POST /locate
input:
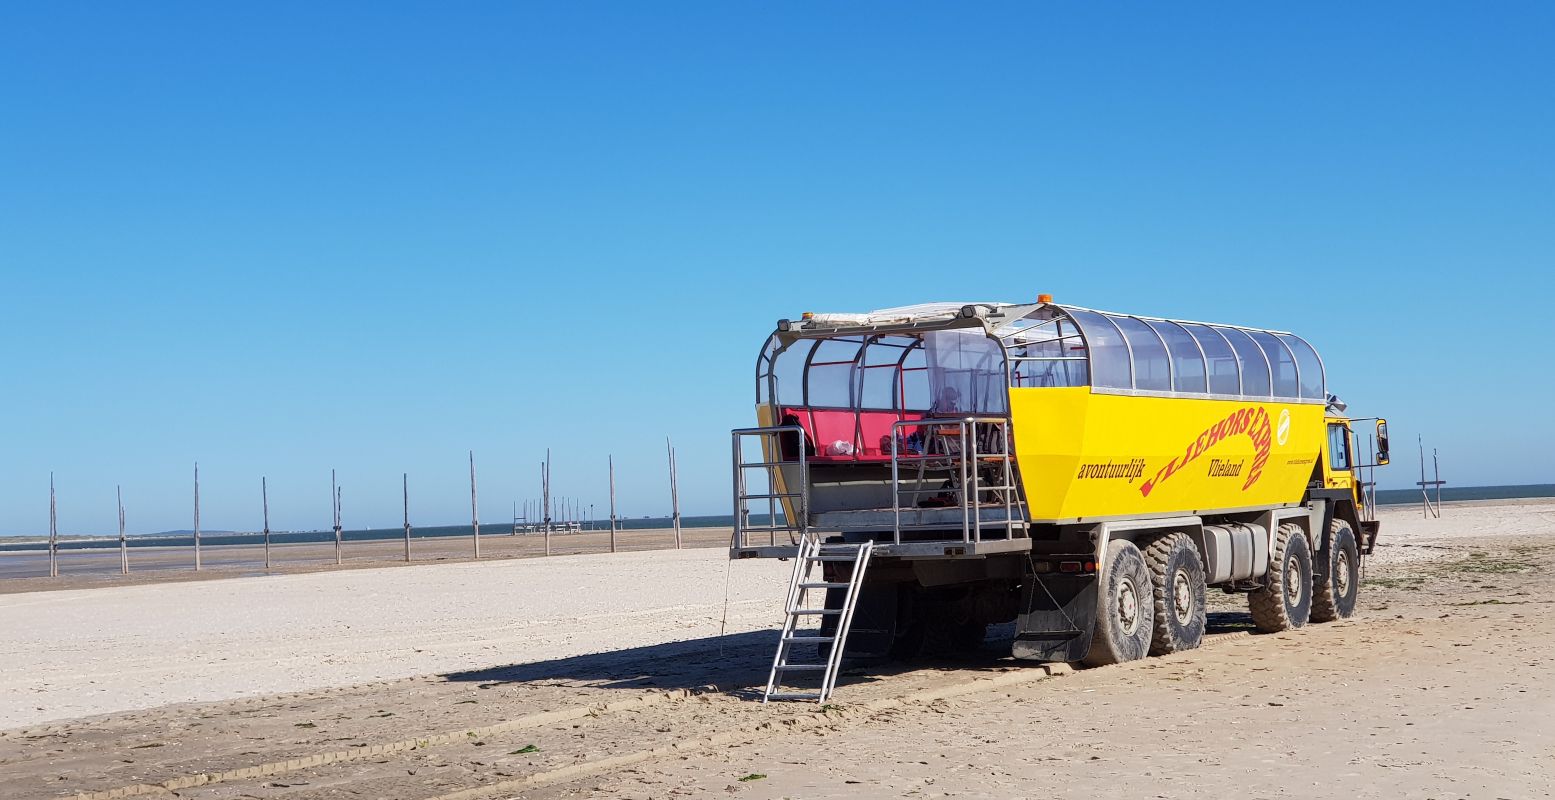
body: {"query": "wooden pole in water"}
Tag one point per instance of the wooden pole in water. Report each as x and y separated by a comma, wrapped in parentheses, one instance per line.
(674, 493)
(405, 494)
(334, 491)
(124, 553)
(264, 494)
(612, 503)
(196, 516)
(1436, 478)
(53, 531)
(475, 520)
(1430, 508)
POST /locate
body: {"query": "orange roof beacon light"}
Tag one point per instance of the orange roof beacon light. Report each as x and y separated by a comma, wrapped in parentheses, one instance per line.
(807, 315)
(1044, 298)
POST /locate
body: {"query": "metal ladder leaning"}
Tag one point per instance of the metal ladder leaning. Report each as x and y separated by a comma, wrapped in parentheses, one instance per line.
(812, 552)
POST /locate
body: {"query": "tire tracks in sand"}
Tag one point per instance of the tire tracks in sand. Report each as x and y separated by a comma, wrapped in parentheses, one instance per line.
(828, 718)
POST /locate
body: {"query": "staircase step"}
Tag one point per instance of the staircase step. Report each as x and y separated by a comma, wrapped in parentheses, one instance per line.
(811, 553)
(794, 696)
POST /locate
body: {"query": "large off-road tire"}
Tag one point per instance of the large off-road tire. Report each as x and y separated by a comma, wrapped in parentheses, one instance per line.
(1285, 601)
(1177, 576)
(1334, 594)
(1123, 607)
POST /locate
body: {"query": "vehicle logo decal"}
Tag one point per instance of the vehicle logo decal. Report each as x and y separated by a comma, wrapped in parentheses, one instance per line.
(1252, 421)
(1282, 430)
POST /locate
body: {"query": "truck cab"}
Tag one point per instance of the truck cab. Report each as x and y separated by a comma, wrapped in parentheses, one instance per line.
(1343, 469)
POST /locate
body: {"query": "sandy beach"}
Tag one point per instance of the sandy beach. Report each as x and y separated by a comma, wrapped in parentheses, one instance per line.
(29, 571)
(606, 676)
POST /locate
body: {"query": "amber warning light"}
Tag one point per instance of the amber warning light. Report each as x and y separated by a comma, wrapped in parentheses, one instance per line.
(1044, 298)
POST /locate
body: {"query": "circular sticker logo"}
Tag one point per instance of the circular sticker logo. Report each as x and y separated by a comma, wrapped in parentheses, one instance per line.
(1282, 432)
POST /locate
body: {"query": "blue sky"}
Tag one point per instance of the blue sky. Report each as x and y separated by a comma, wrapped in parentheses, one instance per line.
(279, 238)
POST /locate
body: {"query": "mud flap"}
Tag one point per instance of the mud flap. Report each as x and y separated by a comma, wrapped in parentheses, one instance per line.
(1057, 619)
(1368, 532)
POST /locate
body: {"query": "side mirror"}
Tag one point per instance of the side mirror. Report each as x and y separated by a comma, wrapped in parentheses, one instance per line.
(1382, 442)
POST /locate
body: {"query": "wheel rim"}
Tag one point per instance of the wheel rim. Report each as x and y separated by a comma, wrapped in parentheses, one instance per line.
(1128, 606)
(1182, 598)
(1342, 574)
(1293, 582)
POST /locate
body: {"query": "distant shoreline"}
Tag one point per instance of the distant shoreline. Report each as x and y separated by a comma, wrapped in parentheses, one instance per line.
(18, 543)
(14, 543)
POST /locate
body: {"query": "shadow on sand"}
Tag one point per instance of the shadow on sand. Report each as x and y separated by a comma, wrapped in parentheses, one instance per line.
(737, 664)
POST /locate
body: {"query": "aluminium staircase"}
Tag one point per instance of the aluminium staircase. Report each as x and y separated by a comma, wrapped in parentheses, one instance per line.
(797, 609)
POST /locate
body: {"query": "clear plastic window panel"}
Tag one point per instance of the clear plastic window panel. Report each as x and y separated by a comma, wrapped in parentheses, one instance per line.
(1250, 357)
(1048, 355)
(914, 388)
(1109, 354)
(966, 373)
(1220, 359)
(880, 390)
(831, 374)
(788, 371)
(1151, 370)
(1311, 367)
(1187, 362)
(1281, 361)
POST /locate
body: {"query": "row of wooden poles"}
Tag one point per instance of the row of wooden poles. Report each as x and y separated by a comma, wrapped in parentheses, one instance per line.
(547, 525)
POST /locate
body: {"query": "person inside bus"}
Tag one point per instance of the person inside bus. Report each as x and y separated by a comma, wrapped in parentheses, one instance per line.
(948, 404)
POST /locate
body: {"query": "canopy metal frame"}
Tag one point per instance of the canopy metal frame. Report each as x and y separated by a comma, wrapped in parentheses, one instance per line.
(1011, 325)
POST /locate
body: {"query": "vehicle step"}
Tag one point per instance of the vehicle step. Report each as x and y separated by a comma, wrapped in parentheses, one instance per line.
(1028, 636)
(811, 552)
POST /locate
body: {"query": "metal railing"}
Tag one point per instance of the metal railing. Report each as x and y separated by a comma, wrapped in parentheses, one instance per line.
(794, 506)
(951, 448)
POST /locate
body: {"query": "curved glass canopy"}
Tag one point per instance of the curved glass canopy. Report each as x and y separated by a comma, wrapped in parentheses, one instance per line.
(1071, 346)
(961, 359)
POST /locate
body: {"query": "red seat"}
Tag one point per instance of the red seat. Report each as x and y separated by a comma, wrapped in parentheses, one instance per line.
(865, 431)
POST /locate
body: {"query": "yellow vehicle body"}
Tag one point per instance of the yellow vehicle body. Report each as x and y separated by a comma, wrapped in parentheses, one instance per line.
(1087, 455)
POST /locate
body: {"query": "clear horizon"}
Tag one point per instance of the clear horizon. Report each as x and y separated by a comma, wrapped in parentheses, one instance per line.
(372, 238)
(497, 527)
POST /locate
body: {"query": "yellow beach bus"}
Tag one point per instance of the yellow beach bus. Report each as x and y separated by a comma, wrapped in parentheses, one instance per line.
(1085, 474)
